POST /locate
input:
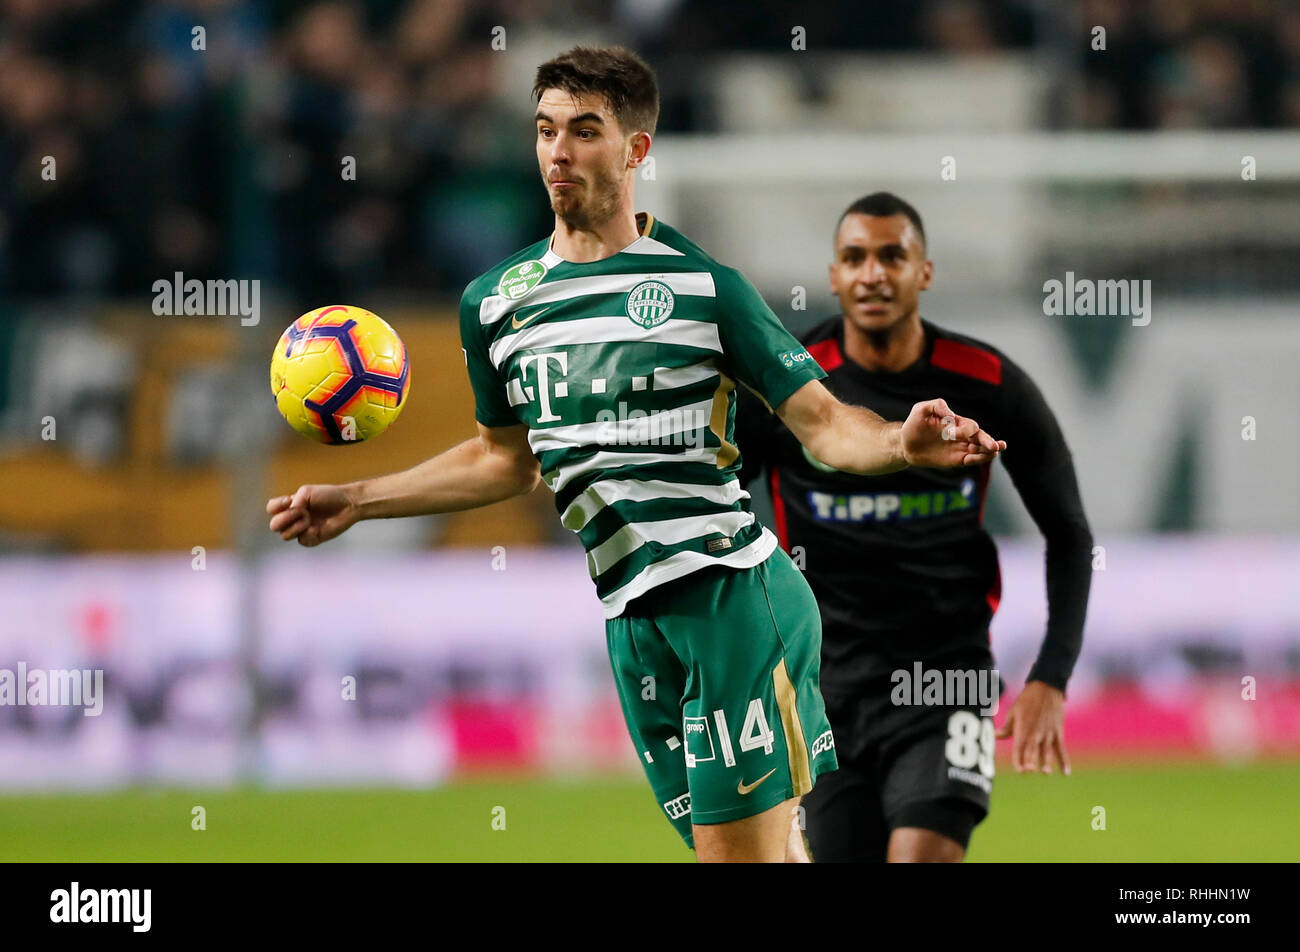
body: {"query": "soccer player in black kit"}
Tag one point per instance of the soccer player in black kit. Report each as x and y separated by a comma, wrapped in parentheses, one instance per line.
(902, 566)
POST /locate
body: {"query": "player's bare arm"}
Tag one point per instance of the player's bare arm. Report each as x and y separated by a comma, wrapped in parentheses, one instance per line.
(1036, 724)
(859, 441)
(494, 465)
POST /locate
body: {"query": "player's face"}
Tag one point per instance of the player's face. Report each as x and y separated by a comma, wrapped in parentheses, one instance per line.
(583, 156)
(879, 270)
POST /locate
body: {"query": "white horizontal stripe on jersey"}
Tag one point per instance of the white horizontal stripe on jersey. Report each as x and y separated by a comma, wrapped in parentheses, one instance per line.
(633, 535)
(690, 283)
(605, 492)
(684, 563)
(656, 426)
(604, 330)
(670, 378)
(561, 476)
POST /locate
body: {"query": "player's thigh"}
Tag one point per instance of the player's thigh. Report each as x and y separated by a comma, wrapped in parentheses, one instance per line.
(938, 776)
(754, 723)
(651, 681)
(761, 838)
(844, 817)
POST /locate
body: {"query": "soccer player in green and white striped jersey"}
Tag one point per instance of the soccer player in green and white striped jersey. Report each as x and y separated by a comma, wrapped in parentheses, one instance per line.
(604, 361)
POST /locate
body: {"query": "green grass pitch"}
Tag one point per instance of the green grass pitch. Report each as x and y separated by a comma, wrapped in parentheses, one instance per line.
(1167, 812)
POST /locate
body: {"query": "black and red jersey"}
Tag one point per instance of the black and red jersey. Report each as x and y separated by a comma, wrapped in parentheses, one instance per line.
(901, 564)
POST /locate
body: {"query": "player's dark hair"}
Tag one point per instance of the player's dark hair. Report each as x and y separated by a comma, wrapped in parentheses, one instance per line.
(882, 205)
(623, 78)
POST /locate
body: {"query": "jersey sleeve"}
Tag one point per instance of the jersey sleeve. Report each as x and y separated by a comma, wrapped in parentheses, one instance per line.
(757, 348)
(1042, 469)
(491, 408)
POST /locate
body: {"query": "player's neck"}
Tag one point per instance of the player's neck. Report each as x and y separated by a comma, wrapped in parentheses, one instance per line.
(581, 245)
(887, 351)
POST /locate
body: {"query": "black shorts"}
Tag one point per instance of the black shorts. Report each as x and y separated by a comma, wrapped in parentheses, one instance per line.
(927, 766)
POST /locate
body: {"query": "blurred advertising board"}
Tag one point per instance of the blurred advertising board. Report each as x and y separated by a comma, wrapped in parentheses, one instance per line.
(404, 669)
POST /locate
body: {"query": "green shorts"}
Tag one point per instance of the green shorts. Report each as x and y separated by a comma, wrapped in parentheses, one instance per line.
(718, 675)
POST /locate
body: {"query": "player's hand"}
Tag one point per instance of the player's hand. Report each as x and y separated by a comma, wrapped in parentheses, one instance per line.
(1036, 724)
(935, 436)
(313, 514)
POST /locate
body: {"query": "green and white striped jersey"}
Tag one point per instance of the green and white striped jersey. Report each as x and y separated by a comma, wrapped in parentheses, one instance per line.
(624, 371)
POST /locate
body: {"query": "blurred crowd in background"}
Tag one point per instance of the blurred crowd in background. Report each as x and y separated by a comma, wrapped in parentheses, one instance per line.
(378, 152)
(227, 160)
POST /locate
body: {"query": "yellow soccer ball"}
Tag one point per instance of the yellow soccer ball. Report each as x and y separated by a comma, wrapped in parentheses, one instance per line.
(340, 374)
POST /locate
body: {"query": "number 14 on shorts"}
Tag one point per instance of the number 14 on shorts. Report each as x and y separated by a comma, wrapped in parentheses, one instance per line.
(754, 734)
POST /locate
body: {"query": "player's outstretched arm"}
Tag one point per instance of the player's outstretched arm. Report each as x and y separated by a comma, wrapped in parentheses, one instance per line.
(856, 440)
(490, 467)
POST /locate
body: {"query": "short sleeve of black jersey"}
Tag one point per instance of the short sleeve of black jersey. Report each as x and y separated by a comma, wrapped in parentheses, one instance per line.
(1042, 469)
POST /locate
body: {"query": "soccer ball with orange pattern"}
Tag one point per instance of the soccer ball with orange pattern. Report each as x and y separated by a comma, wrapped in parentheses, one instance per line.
(340, 374)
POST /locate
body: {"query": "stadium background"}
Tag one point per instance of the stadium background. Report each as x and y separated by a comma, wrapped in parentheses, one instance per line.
(132, 534)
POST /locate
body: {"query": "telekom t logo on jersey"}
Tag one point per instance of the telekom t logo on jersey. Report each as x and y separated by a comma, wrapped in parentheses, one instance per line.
(543, 375)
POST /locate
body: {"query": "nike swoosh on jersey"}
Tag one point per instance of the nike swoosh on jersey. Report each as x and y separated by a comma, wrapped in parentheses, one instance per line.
(743, 788)
(516, 323)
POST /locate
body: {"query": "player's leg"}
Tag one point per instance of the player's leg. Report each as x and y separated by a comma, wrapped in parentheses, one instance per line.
(915, 844)
(846, 822)
(844, 813)
(651, 681)
(763, 838)
(796, 848)
(937, 781)
(753, 719)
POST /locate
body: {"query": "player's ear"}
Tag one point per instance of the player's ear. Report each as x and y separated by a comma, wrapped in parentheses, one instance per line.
(927, 274)
(835, 284)
(638, 149)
